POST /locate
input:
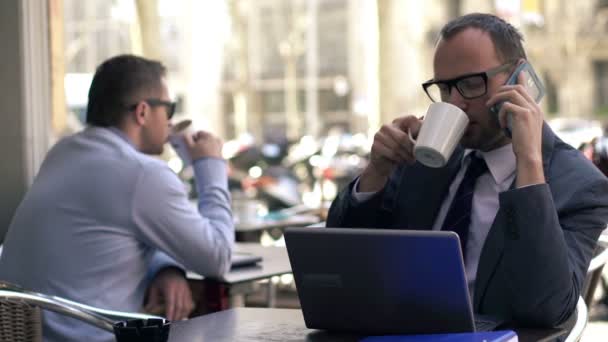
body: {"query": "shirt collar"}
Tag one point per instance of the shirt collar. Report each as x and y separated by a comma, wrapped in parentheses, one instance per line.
(121, 135)
(501, 162)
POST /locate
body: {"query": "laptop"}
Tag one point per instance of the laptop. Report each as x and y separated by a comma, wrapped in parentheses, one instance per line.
(377, 281)
(242, 259)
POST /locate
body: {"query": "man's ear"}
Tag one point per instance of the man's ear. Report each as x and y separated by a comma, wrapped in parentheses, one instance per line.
(141, 112)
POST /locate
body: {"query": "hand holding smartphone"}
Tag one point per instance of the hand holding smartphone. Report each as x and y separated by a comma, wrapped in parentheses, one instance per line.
(533, 85)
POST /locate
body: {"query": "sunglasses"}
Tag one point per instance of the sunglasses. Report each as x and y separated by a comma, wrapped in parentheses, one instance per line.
(158, 102)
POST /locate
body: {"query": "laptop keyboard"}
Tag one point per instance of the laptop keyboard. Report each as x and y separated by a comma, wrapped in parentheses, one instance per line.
(486, 323)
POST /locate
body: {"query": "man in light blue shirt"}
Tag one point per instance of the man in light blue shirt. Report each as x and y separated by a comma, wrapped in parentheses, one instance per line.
(103, 217)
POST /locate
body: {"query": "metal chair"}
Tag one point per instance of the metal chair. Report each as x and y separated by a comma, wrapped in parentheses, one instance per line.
(20, 313)
(594, 272)
(582, 316)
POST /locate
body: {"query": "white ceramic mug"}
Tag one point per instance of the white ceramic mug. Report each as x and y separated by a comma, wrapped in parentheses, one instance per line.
(442, 128)
(178, 142)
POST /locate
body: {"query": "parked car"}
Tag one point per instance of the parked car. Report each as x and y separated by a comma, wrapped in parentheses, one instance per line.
(576, 131)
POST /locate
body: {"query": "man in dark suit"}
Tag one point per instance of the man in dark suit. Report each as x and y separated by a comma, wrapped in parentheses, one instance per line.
(537, 206)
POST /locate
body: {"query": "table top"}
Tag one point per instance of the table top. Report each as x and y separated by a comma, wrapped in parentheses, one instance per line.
(274, 262)
(297, 220)
(257, 324)
(251, 325)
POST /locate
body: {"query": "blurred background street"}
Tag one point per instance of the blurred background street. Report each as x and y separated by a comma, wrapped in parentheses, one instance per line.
(297, 89)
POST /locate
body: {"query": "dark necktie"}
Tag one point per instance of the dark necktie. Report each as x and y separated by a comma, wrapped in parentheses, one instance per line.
(458, 218)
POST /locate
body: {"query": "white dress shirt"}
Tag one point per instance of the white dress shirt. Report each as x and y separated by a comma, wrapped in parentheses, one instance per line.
(501, 164)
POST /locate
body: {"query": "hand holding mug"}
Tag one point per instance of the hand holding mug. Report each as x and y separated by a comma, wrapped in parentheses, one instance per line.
(190, 145)
(391, 147)
(203, 144)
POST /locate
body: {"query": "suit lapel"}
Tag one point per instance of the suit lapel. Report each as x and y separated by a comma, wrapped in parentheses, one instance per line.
(494, 245)
(489, 258)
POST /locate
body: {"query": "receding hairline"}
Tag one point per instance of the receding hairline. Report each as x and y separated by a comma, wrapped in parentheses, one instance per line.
(506, 39)
(454, 35)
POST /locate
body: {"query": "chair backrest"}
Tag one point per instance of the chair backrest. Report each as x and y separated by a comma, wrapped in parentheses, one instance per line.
(14, 297)
(53, 304)
(19, 321)
(594, 272)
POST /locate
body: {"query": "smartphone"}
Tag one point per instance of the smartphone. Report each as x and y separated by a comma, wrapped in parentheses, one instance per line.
(533, 84)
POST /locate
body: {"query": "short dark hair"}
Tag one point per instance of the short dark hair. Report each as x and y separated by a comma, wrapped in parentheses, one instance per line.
(117, 82)
(506, 38)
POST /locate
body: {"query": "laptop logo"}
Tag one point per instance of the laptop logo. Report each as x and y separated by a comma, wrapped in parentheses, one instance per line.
(320, 280)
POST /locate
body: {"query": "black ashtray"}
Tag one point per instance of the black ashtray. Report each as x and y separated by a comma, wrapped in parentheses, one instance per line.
(140, 330)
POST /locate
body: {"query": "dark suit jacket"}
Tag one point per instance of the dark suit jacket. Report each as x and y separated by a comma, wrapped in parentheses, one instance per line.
(534, 260)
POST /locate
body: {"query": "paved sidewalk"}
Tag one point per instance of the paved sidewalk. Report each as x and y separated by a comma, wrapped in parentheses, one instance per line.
(597, 329)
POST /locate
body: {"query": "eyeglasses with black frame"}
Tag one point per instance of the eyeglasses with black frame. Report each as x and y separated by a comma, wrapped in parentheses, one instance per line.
(470, 86)
(158, 102)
